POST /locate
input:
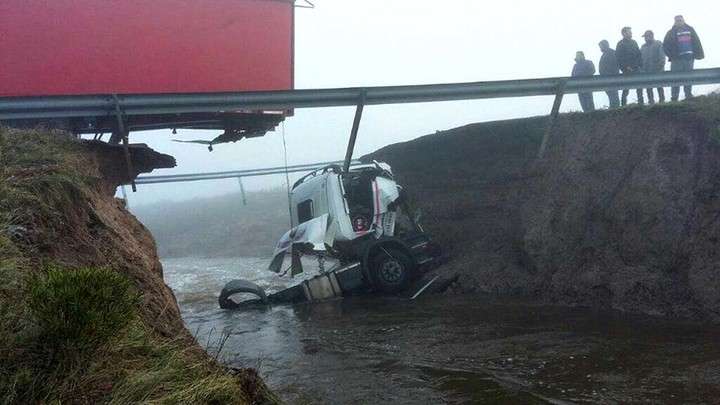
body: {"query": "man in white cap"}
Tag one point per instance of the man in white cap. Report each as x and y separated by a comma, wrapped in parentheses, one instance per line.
(653, 60)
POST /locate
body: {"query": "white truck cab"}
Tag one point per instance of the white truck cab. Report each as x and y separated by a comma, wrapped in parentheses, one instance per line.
(359, 217)
(356, 203)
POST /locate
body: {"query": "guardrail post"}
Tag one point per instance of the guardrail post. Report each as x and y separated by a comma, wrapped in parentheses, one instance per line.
(242, 190)
(124, 132)
(553, 116)
(354, 132)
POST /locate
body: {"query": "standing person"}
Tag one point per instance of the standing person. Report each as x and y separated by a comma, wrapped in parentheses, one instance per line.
(584, 68)
(609, 67)
(653, 61)
(683, 47)
(629, 60)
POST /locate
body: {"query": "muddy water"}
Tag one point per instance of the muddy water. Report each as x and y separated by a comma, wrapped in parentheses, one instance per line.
(442, 349)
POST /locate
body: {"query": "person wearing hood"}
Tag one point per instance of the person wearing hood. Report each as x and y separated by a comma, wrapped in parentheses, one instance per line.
(609, 67)
(629, 60)
(682, 45)
(653, 59)
(584, 68)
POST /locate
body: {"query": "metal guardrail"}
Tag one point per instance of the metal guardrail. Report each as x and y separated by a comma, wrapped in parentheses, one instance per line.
(148, 104)
(179, 178)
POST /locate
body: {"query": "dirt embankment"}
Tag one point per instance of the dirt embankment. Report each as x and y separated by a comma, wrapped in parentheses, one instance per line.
(623, 211)
(58, 209)
(92, 228)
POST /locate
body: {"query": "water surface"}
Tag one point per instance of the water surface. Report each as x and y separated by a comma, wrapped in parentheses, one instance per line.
(446, 349)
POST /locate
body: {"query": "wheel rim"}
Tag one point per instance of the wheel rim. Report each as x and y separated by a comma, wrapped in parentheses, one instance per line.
(391, 271)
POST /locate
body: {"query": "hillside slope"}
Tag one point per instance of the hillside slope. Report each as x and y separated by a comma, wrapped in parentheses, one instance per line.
(623, 211)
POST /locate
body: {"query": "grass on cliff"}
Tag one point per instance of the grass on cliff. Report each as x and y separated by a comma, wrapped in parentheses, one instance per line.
(74, 335)
(82, 342)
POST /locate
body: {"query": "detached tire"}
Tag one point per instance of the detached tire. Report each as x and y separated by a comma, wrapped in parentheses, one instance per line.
(392, 270)
(236, 287)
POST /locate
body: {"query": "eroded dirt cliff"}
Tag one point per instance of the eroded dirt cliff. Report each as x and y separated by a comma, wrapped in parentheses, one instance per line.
(80, 222)
(622, 212)
(58, 210)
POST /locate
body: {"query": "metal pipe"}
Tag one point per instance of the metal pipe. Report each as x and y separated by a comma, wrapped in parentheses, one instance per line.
(179, 178)
(189, 178)
(251, 172)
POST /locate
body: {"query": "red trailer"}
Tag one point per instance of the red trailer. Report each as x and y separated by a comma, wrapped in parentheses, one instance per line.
(164, 47)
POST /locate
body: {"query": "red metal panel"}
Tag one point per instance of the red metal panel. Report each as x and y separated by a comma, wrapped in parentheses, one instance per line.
(73, 47)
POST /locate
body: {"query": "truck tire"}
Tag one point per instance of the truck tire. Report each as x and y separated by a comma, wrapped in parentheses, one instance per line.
(392, 270)
(240, 286)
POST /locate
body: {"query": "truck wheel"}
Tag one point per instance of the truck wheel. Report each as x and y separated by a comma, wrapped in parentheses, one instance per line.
(392, 270)
(236, 287)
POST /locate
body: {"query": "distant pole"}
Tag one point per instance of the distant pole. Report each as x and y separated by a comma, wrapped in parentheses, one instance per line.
(242, 190)
(125, 197)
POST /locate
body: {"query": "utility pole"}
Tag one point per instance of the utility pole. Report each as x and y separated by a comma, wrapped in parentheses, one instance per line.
(242, 190)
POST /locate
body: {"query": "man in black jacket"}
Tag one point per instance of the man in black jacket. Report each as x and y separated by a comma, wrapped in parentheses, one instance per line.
(682, 45)
(609, 67)
(629, 60)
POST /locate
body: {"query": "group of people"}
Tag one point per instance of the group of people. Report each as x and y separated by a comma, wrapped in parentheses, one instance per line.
(681, 46)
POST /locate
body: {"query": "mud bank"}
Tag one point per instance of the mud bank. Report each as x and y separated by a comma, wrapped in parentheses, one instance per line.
(59, 212)
(623, 212)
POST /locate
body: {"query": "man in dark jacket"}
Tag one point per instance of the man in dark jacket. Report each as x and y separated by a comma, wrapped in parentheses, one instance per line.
(609, 67)
(653, 57)
(629, 60)
(584, 68)
(682, 45)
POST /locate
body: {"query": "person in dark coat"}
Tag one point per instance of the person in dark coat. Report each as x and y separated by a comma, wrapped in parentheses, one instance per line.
(584, 68)
(653, 57)
(682, 46)
(609, 67)
(629, 60)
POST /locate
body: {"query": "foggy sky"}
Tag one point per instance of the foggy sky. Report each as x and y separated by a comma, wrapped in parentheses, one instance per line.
(344, 43)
